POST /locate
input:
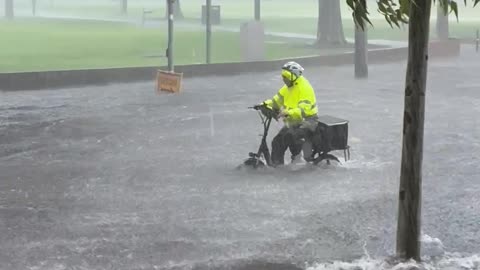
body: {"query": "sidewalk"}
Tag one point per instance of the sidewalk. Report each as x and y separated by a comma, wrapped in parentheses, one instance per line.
(307, 37)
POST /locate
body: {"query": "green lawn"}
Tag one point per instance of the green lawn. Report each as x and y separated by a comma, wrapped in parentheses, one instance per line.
(279, 15)
(43, 44)
(61, 44)
(191, 8)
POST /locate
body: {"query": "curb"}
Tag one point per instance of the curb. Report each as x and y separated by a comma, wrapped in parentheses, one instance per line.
(78, 78)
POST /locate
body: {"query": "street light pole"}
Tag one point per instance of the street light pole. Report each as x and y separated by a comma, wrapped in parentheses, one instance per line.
(209, 30)
(170, 35)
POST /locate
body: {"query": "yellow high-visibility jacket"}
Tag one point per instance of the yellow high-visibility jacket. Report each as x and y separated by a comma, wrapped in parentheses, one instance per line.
(299, 101)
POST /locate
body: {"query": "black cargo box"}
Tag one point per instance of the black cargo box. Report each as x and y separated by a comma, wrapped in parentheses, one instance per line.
(334, 133)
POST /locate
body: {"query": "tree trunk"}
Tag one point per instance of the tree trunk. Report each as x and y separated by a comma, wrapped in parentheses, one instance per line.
(442, 23)
(124, 7)
(177, 10)
(9, 14)
(257, 10)
(361, 41)
(330, 26)
(322, 24)
(34, 7)
(410, 193)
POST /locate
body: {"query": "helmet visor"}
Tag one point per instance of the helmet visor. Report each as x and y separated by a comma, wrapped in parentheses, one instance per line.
(288, 77)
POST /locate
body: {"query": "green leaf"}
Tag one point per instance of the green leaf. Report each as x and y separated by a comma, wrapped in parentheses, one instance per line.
(399, 15)
(396, 11)
(454, 7)
(382, 8)
(350, 4)
(405, 6)
(388, 21)
(394, 20)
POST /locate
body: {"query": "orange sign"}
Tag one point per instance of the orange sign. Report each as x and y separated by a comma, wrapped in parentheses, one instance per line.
(169, 81)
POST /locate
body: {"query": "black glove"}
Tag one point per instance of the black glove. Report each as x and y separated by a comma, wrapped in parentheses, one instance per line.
(258, 106)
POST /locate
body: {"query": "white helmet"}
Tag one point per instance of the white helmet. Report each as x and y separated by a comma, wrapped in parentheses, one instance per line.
(294, 67)
(291, 71)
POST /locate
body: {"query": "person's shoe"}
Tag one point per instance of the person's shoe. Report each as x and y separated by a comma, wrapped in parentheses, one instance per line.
(298, 160)
(277, 164)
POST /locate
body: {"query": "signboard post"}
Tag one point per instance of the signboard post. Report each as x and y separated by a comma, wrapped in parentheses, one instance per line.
(209, 31)
(169, 80)
(170, 35)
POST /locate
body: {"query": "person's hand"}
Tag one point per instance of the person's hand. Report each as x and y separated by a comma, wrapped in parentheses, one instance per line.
(258, 106)
(283, 114)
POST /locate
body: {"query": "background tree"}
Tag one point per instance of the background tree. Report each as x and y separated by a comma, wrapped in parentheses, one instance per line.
(124, 7)
(257, 10)
(177, 10)
(34, 7)
(9, 14)
(409, 206)
(442, 23)
(330, 26)
(361, 43)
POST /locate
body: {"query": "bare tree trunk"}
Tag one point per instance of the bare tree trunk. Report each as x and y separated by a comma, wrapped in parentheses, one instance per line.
(442, 23)
(337, 35)
(257, 10)
(9, 13)
(124, 7)
(361, 41)
(330, 26)
(177, 10)
(410, 193)
(322, 24)
(34, 7)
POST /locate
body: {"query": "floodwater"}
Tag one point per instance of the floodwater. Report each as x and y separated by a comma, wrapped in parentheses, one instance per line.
(118, 177)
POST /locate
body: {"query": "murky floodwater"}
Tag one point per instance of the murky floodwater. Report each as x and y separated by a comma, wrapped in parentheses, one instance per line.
(118, 177)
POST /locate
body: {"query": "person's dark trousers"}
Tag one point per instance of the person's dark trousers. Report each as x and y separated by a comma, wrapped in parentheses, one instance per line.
(293, 138)
(287, 138)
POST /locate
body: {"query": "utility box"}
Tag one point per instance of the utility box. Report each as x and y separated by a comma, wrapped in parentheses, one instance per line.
(252, 41)
(214, 14)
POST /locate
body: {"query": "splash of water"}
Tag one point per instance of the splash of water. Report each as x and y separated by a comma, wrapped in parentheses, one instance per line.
(434, 257)
(449, 261)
